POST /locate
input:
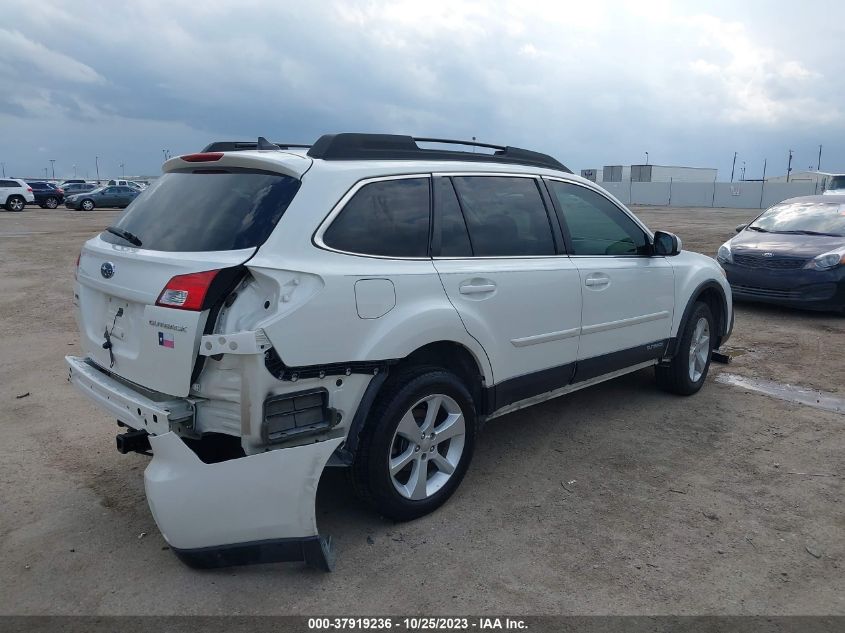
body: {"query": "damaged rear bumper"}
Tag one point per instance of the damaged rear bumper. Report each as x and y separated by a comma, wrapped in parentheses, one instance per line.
(255, 509)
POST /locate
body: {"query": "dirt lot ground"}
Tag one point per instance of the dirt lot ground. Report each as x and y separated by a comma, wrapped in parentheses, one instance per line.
(617, 499)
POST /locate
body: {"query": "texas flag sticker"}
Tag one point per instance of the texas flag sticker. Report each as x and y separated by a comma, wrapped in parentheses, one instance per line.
(166, 340)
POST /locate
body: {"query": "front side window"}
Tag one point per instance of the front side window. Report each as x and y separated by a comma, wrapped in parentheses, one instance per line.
(505, 216)
(389, 218)
(596, 225)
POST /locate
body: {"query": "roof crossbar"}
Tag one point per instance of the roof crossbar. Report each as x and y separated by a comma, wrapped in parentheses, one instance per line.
(350, 146)
(399, 147)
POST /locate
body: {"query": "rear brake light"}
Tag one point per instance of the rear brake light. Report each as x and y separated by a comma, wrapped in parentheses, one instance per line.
(29, 189)
(203, 157)
(187, 292)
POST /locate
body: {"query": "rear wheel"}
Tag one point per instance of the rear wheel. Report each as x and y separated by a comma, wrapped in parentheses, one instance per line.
(87, 204)
(15, 203)
(417, 444)
(51, 202)
(687, 371)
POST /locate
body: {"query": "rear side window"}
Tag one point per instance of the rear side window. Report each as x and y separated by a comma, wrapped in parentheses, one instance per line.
(388, 218)
(190, 212)
(8, 183)
(505, 216)
(596, 225)
(450, 237)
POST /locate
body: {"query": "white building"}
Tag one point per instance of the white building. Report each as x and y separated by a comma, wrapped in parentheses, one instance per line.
(804, 176)
(650, 173)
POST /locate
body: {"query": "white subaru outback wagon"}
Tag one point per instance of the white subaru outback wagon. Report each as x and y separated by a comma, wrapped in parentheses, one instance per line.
(262, 311)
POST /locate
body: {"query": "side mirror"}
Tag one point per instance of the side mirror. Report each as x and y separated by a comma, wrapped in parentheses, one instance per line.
(740, 227)
(666, 244)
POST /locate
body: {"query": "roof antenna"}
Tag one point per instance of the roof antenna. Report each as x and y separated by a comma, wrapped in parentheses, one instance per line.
(263, 143)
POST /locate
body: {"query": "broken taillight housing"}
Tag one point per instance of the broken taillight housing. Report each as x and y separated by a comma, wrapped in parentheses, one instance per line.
(187, 292)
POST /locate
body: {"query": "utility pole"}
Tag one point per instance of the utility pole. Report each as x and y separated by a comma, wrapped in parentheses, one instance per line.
(74, 171)
(763, 184)
(646, 158)
(733, 167)
(789, 166)
(819, 167)
(45, 173)
(742, 171)
(53, 167)
(97, 166)
(123, 169)
(4, 169)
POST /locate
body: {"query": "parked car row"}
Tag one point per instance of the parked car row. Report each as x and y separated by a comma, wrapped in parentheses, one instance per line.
(15, 194)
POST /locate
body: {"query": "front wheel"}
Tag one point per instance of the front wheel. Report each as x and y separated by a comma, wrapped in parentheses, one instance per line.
(87, 205)
(15, 203)
(686, 372)
(417, 444)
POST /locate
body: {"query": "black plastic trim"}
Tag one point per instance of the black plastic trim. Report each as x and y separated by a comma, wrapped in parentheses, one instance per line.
(347, 451)
(608, 363)
(726, 327)
(276, 366)
(352, 146)
(526, 386)
(315, 551)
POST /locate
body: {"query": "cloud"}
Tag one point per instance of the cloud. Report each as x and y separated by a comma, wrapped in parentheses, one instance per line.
(594, 83)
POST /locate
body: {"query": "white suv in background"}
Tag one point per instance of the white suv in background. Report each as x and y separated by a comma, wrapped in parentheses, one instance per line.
(15, 194)
(263, 311)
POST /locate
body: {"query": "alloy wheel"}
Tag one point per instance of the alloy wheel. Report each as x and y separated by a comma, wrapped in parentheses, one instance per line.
(699, 350)
(426, 447)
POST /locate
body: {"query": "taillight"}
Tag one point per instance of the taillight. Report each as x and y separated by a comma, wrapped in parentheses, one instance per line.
(203, 157)
(60, 190)
(29, 189)
(187, 292)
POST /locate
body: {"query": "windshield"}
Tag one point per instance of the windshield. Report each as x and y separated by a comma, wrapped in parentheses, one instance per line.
(836, 182)
(206, 211)
(826, 218)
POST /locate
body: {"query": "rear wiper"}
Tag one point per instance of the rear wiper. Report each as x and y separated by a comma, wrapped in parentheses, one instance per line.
(129, 237)
(802, 232)
(757, 228)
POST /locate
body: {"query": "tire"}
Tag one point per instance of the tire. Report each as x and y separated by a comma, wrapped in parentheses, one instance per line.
(401, 411)
(87, 205)
(51, 202)
(687, 371)
(15, 203)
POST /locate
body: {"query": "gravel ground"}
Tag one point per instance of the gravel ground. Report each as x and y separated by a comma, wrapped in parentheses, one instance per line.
(618, 499)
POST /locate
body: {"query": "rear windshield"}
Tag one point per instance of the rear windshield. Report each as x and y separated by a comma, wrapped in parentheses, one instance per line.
(825, 218)
(189, 212)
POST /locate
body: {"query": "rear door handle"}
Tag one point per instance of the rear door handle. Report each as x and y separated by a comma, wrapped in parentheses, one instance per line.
(597, 280)
(475, 289)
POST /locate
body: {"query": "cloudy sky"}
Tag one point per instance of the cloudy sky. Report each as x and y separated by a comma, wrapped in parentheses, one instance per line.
(592, 83)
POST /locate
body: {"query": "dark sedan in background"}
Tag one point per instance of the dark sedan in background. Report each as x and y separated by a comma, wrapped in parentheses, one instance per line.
(47, 195)
(791, 254)
(102, 197)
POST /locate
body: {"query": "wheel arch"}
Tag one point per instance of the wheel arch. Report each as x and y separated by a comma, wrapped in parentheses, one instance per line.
(450, 355)
(711, 293)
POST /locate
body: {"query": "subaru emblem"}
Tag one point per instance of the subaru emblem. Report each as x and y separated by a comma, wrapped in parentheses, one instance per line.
(107, 270)
(768, 254)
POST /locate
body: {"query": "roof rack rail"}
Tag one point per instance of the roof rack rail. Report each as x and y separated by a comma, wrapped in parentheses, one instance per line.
(349, 146)
(237, 146)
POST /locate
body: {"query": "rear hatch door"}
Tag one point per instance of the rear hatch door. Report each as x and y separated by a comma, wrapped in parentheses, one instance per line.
(192, 221)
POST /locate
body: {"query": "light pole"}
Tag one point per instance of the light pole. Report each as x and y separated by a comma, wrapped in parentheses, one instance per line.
(45, 173)
(733, 167)
(4, 169)
(123, 170)
(74, 171)
(646, 158)
(97, 167)
(819, 168)
(53, 167)
(742, 171)
(789, 166)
